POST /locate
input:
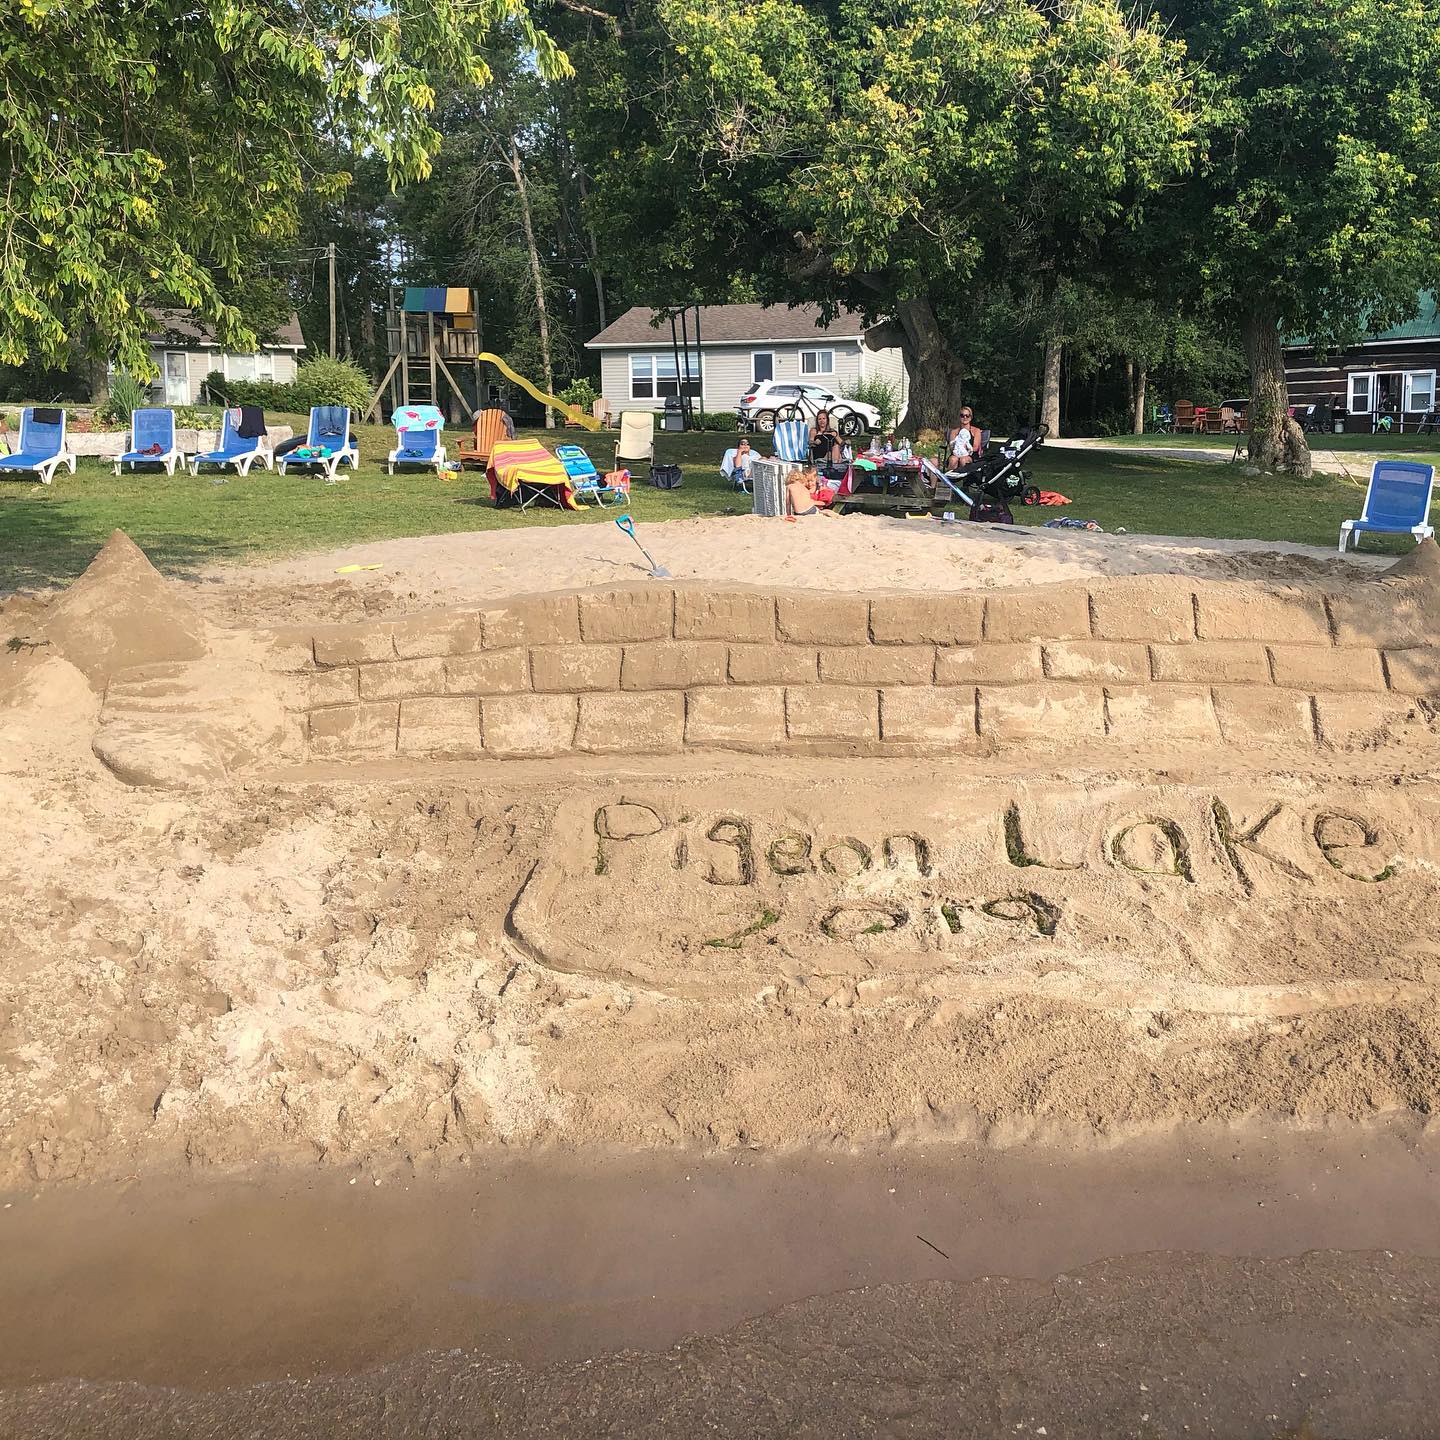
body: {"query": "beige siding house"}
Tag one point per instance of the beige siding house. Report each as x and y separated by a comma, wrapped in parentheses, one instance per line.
(184, 352)
(740, 345)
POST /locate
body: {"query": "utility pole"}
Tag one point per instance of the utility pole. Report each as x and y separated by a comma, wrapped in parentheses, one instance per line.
(330, 251)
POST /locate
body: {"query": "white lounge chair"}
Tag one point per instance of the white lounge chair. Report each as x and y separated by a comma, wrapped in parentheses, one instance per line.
(1397, 502)
(329, 433)
(42, 446)
(418, 429)
(235, 449)
(152, 441)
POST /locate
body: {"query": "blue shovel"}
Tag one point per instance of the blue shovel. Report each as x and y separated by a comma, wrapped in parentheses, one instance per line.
(657, 572)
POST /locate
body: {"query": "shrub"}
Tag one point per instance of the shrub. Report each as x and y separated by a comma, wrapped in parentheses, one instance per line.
(264, 393)
(580, 392)
(126, 394)
(323, 381)
(883, 395)
(721, 420)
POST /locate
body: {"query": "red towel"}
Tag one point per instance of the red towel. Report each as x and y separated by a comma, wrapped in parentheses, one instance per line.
(1052, 497)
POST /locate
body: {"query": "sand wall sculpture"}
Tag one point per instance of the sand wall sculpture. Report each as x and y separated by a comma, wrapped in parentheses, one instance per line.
(661, 669)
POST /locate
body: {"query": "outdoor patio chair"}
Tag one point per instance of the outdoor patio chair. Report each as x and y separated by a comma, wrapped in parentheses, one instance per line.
(1397, 502)
(585, 481)
(636, 444)
(152, 441)
(792, 441)
(327, 440)
(42, 446)
(418, 429)
(488, 430)
(733, 474)
(241, 451)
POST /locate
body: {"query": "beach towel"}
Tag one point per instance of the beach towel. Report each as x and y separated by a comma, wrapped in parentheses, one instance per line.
(517, 463)
(1052, 497)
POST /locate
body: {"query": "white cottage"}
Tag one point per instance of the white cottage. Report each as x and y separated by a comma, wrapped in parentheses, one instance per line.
(184, 352)
(740, 346)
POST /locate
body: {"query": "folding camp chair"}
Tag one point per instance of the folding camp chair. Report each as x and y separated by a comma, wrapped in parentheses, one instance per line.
(328, 440)
(636, 444)
(585, 481)
(489, 429)
(792, 441)
(152, 441)
(1397, 502)
(734, 473)
(418, 429)
(241, 451)
(42, 446)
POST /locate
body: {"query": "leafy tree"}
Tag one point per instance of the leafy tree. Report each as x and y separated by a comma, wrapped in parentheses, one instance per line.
(1317, 209)
(150, 148)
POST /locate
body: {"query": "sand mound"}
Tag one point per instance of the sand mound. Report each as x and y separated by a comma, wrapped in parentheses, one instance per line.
(122, 612)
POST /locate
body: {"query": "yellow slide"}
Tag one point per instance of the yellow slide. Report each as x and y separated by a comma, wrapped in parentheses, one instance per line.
(570, 412)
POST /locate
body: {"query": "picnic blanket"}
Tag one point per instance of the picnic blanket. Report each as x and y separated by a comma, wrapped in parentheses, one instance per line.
(514, 463)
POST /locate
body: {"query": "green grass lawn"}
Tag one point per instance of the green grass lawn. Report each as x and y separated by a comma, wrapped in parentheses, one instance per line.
(50, 533)
(1401, 447)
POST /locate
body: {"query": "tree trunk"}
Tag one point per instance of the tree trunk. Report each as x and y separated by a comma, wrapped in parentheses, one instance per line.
(1050, 387)
(1138, 413)
(1130, 385)
(537, 277)
(936, 372)
(1276, 440)
(592, 248)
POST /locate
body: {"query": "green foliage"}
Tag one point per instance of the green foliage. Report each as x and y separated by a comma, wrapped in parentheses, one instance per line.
(323, 381)
(717, 420)
(883, 394)
(149, 149)
(264, 393)
(126, 394)
(581, 392)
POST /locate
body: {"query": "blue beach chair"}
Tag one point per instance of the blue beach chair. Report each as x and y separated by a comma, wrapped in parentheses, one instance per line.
(42, 446)
(418, 429)
(792, 441)
(328, 440)
(585, 481)
(234, 449)
(152, 441)
(1397, 502)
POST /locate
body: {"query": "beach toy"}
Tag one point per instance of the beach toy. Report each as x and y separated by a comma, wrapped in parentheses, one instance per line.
(657, 572)
(351, 569)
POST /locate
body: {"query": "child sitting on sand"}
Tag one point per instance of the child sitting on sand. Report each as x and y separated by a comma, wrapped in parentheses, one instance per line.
(806, 494)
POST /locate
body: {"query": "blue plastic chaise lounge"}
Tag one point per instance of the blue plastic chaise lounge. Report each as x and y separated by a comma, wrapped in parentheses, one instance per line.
(235, 449)
(326, 444)
(418, 429)
(42, 446)
(585, 481)
(152, 441)
(1397, 502)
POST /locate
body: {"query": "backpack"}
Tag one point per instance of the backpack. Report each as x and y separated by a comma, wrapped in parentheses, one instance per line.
(665, 477)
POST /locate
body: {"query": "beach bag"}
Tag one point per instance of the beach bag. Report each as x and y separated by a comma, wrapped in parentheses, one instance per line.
(665, 477)
(991, 512)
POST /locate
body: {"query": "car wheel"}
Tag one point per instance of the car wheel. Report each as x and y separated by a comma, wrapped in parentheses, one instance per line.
(763, 421)
(847, 422)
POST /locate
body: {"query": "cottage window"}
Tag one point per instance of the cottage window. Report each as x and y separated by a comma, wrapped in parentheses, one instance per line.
(1362, 394)
(250, 367)
(762, 366)
(655, 376)
(1420, 390)
(817, 362)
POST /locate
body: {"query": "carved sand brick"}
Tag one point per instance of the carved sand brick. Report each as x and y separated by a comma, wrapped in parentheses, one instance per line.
(1314, 667)
(354, 730)
(572, 668)
(332, 687)
(1361, 720)
(989, 665)
(287, 650)
(631, 724)
(528, 724)
(824, 619)
(1050, 714)
(1414, 672)
(832, 712)
(448, 726)
(538, 620)
(397, 679)
(419, 637)
(353, 644)
(1048, 612)
(877, 665)
(1143, 607)
(1148, 713)
(724, 615)
(1386, 617)
(1287, 617)
(773, 664)
(736, 719)
(1102, 660)
(1260, 715)
(619, 615)
(935, 715)
(912, 619)
(673, 665)
(496, 672)
(1213, 662)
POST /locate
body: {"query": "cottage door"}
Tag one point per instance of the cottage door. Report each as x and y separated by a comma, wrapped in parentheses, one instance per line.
(177, 379)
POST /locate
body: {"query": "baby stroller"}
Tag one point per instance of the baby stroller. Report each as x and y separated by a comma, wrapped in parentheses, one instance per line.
(991, 484)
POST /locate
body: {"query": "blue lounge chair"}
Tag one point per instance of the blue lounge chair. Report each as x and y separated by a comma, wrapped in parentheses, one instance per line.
(418, 429)
(152, 441)
(1397, 502)
(327, 440)
(234, 449)
(585, 481)
(792, 441)
(42, 447)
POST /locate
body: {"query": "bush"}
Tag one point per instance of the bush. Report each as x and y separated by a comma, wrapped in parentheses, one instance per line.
(883, 395)
(264, 393)
(580, 392)
(126, 394)
(721, 420)
(323, 381)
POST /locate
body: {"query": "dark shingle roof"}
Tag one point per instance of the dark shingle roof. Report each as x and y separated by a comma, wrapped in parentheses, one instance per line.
(740, 324)
(182, 326)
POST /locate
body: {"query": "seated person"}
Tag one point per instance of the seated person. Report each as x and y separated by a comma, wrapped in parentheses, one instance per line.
(964, 442)
(735, 466)
(804, 493)
(824, 441)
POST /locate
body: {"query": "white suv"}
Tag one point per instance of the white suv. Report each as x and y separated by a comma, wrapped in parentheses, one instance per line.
(771, 400)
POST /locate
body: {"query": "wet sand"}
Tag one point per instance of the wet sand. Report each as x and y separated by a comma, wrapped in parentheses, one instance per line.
(539, 1269)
